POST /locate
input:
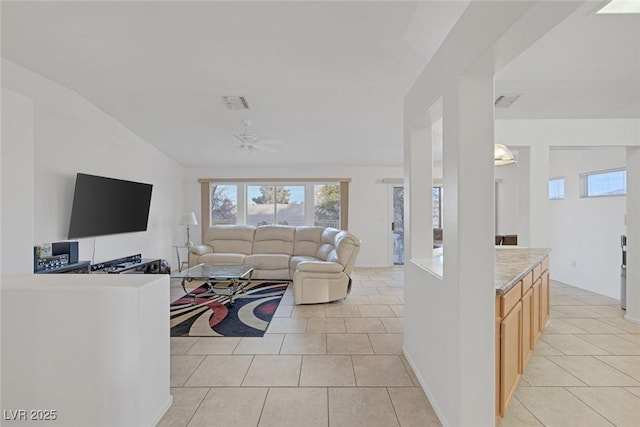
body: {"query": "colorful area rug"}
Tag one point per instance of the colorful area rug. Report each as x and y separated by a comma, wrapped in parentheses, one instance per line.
(209, 317)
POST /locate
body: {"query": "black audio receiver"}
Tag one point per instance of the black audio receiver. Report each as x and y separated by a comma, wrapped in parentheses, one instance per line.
(54, 261)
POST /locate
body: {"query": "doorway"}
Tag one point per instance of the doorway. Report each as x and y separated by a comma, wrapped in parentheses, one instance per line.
(397, 224)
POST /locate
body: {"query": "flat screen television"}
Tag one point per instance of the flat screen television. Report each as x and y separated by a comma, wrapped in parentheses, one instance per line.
(104, 206)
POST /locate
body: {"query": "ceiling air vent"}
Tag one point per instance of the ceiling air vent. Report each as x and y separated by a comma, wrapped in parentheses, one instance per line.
(505, 101)
(236, 102)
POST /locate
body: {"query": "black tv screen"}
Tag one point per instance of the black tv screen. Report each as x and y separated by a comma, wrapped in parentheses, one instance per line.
(108, 206)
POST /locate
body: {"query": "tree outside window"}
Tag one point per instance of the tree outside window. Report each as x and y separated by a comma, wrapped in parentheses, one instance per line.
(327, 205)
(224, 204)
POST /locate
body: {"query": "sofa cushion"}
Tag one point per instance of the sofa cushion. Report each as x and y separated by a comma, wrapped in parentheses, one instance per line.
(231, 238)
(320, 267)
(307, 240)
(347, 248)
(274, 239)
(268, 261)
(216, 258)
(297, 259)
(326, 243)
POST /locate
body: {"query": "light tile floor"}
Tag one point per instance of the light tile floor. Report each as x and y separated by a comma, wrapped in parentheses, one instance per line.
(585, 370)
(341, 364)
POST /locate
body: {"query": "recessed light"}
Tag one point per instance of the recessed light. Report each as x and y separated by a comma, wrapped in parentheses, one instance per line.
(621, 6)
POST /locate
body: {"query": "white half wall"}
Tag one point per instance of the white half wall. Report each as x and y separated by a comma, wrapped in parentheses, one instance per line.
(71, 135)
(369, 211)
(585, 232)
(92, 347)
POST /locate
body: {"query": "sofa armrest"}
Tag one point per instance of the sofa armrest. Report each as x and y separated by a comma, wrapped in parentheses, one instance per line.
(320, 267)
(200, 249)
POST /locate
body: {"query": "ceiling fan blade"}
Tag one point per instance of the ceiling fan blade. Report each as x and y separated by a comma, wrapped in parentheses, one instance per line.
(266, 148)
(270, 141)
(238, 138)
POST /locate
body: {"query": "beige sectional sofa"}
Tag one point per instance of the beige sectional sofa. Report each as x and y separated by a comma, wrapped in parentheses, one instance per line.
(318, 260)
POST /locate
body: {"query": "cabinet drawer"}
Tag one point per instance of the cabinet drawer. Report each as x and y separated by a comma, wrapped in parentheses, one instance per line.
(545, 264)
(510, 299)
(537, 272)
(527, 281)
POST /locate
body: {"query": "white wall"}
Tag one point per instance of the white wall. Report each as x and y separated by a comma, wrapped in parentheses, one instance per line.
(17, 194)
(369, 211)
(597, 261)
(506, 199)
(586, 231)
(71, 135)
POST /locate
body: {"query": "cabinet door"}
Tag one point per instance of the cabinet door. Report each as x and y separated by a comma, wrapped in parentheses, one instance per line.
(544, 300)
(535, 318)
(510, 349)
(527, 327)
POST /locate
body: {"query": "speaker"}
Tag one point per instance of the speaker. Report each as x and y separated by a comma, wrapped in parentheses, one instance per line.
(69, 248)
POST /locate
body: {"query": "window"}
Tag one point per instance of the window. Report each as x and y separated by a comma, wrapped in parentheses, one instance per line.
(556, 188)
(275, 204)
(224, 204)
(326, 205)
(436, 207)
(289, 202)
(606, 183)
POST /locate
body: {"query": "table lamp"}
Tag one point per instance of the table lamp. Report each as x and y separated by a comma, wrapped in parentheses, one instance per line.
(189, 218)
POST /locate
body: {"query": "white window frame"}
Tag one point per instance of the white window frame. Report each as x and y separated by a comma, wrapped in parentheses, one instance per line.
(584, 178)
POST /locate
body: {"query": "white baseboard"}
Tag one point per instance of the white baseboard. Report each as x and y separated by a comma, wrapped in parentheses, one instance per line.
(427, 392)
(631, 319)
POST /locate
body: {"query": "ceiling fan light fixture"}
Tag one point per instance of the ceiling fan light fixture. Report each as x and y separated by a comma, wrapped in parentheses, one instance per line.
(248, 141)
(502, 155)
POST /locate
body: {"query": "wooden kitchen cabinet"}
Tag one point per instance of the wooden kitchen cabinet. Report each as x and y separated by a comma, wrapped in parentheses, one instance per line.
(535, 313)
(521, 315)
(527, 341)
(544, 300)
(510, 355)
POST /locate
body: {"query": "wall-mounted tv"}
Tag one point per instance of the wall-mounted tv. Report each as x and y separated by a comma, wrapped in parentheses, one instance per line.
(108, 206)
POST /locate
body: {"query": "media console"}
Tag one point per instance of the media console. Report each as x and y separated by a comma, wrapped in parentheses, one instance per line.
(80, 267)
(128, 265)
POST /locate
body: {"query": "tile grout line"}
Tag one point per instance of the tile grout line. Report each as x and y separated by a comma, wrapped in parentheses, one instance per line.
(395, 412)
(590, 407)
(614, 367)
(574, 376)
(244, 377)
(204, 357)
(328, 408)
(264, 403)
(528, 410)
(353, 370)
(198, 407)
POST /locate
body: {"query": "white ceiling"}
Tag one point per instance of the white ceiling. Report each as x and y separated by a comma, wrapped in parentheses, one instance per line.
(327, 78)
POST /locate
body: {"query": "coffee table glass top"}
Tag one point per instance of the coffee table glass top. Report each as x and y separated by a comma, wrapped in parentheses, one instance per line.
(215, 271)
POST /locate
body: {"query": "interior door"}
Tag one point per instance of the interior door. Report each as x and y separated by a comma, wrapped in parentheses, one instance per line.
(397, 226)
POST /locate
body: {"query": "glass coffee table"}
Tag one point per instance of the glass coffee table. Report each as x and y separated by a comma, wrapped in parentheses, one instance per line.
(222, 279)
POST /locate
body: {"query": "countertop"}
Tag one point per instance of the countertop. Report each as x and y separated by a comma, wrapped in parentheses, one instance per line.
(513, 263)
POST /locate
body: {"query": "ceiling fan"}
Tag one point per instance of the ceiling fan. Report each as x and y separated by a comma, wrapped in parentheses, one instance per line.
(248, 141)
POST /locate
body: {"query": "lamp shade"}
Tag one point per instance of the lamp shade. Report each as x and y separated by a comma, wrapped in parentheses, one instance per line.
(189, 218)
(502, 155)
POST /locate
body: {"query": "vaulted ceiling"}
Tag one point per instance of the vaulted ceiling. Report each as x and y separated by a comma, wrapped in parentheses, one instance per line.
(326, 78)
